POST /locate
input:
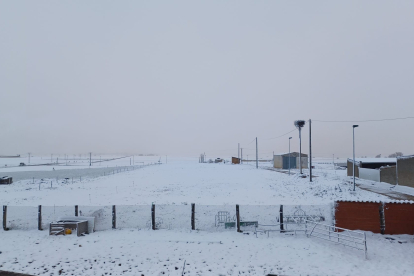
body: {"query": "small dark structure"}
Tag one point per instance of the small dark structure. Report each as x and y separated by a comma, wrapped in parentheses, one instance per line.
(6, 180)
(235, 160)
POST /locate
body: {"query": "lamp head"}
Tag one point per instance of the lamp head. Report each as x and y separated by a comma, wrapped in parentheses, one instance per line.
(290, 138)
(354, 126)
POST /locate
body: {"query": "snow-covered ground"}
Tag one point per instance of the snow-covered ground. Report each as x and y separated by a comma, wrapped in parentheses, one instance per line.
(163, 252)
(186, 180)
(134, 250)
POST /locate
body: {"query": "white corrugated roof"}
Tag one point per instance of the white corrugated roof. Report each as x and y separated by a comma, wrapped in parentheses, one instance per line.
(375, 160)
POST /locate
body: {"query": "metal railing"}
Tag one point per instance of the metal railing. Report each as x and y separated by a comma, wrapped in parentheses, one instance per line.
(351, 238)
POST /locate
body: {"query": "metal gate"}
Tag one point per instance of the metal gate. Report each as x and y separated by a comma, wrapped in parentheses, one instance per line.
(286, 162)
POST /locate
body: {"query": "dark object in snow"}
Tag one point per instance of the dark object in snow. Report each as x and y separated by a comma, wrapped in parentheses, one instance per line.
(6, 180)
(8, 273)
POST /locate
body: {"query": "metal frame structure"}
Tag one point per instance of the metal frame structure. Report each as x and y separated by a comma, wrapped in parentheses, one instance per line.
(351, 238)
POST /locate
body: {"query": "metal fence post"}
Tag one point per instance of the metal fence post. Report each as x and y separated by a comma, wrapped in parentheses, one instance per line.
(238, 218)
(76, 210)
(382, 218)
(39, 218)
(282, 228)
(5, 218)
(113, 217)
(153, 216)
(192, 216)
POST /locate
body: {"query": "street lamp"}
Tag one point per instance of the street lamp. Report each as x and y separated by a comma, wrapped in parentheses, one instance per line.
(299, 124)
(353, 140)
(289, 154)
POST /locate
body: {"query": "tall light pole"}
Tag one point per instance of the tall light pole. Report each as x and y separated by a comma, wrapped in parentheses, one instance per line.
(299, 124)
(289, 154)
(29, 158)
(353, 141)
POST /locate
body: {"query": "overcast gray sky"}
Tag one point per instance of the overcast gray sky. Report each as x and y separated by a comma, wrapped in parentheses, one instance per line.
(185, 77)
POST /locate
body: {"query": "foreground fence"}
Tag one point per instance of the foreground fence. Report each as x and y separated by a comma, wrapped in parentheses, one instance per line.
(195, 217)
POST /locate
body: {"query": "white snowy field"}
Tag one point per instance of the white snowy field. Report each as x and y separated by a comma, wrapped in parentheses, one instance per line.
(65, 162)
(184, 180)
(163, 252)
(134, 250)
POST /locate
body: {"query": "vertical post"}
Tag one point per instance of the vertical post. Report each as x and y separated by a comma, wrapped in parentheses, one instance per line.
(192, 216)
(153, 216)
(282, 228)
(382, 218)
(300, 150)
(289, 154)
(90, 159)
(241, 155)
(257, 156)
(238, 151)
(5, 218)
(238, 218)
(310, 150)
(353, 146)
(76, 210)
(113, 217)
(39, 218)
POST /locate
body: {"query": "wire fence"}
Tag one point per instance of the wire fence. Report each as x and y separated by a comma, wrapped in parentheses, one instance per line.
(210, 218)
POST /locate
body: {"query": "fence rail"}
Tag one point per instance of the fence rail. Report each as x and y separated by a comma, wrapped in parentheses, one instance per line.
(351, 238)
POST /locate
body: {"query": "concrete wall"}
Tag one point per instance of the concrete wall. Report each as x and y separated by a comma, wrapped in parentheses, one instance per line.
(349, 169)
(405, 171)
(369, 174)
(388, 175)
(278, 162)
(304, 163)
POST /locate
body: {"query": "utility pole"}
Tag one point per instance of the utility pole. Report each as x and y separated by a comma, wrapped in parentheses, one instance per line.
(299, 124)
(238, 151)
(353, 141)
(257, 156)
(310, 150)
(241, 155)
(29, 159)
(90, 159)
(289, 154)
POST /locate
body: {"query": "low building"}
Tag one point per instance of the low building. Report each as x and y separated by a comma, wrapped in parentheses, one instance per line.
(369, 163)
(235, 160)
(281, 161)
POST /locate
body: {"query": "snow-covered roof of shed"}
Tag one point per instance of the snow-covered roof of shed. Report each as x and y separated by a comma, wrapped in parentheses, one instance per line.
(375, 160)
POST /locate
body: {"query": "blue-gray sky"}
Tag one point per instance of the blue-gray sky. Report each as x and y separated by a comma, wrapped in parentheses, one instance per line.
(184, 77)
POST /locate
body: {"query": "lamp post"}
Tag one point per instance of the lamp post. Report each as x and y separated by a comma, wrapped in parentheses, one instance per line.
(353, 141)
(289, 154)
(299, 124)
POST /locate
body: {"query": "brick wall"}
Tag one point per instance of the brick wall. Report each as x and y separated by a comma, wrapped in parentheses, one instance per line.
(358, 216)
(399, 218)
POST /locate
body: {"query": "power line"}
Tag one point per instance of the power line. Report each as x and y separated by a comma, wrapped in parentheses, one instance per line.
(282, 134)
(361, 121)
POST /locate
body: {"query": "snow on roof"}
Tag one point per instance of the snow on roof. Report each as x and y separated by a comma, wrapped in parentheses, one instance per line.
(375, 160)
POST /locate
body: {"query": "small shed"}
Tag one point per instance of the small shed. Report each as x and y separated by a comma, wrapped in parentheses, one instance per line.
(235, 160)
(281, 161)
